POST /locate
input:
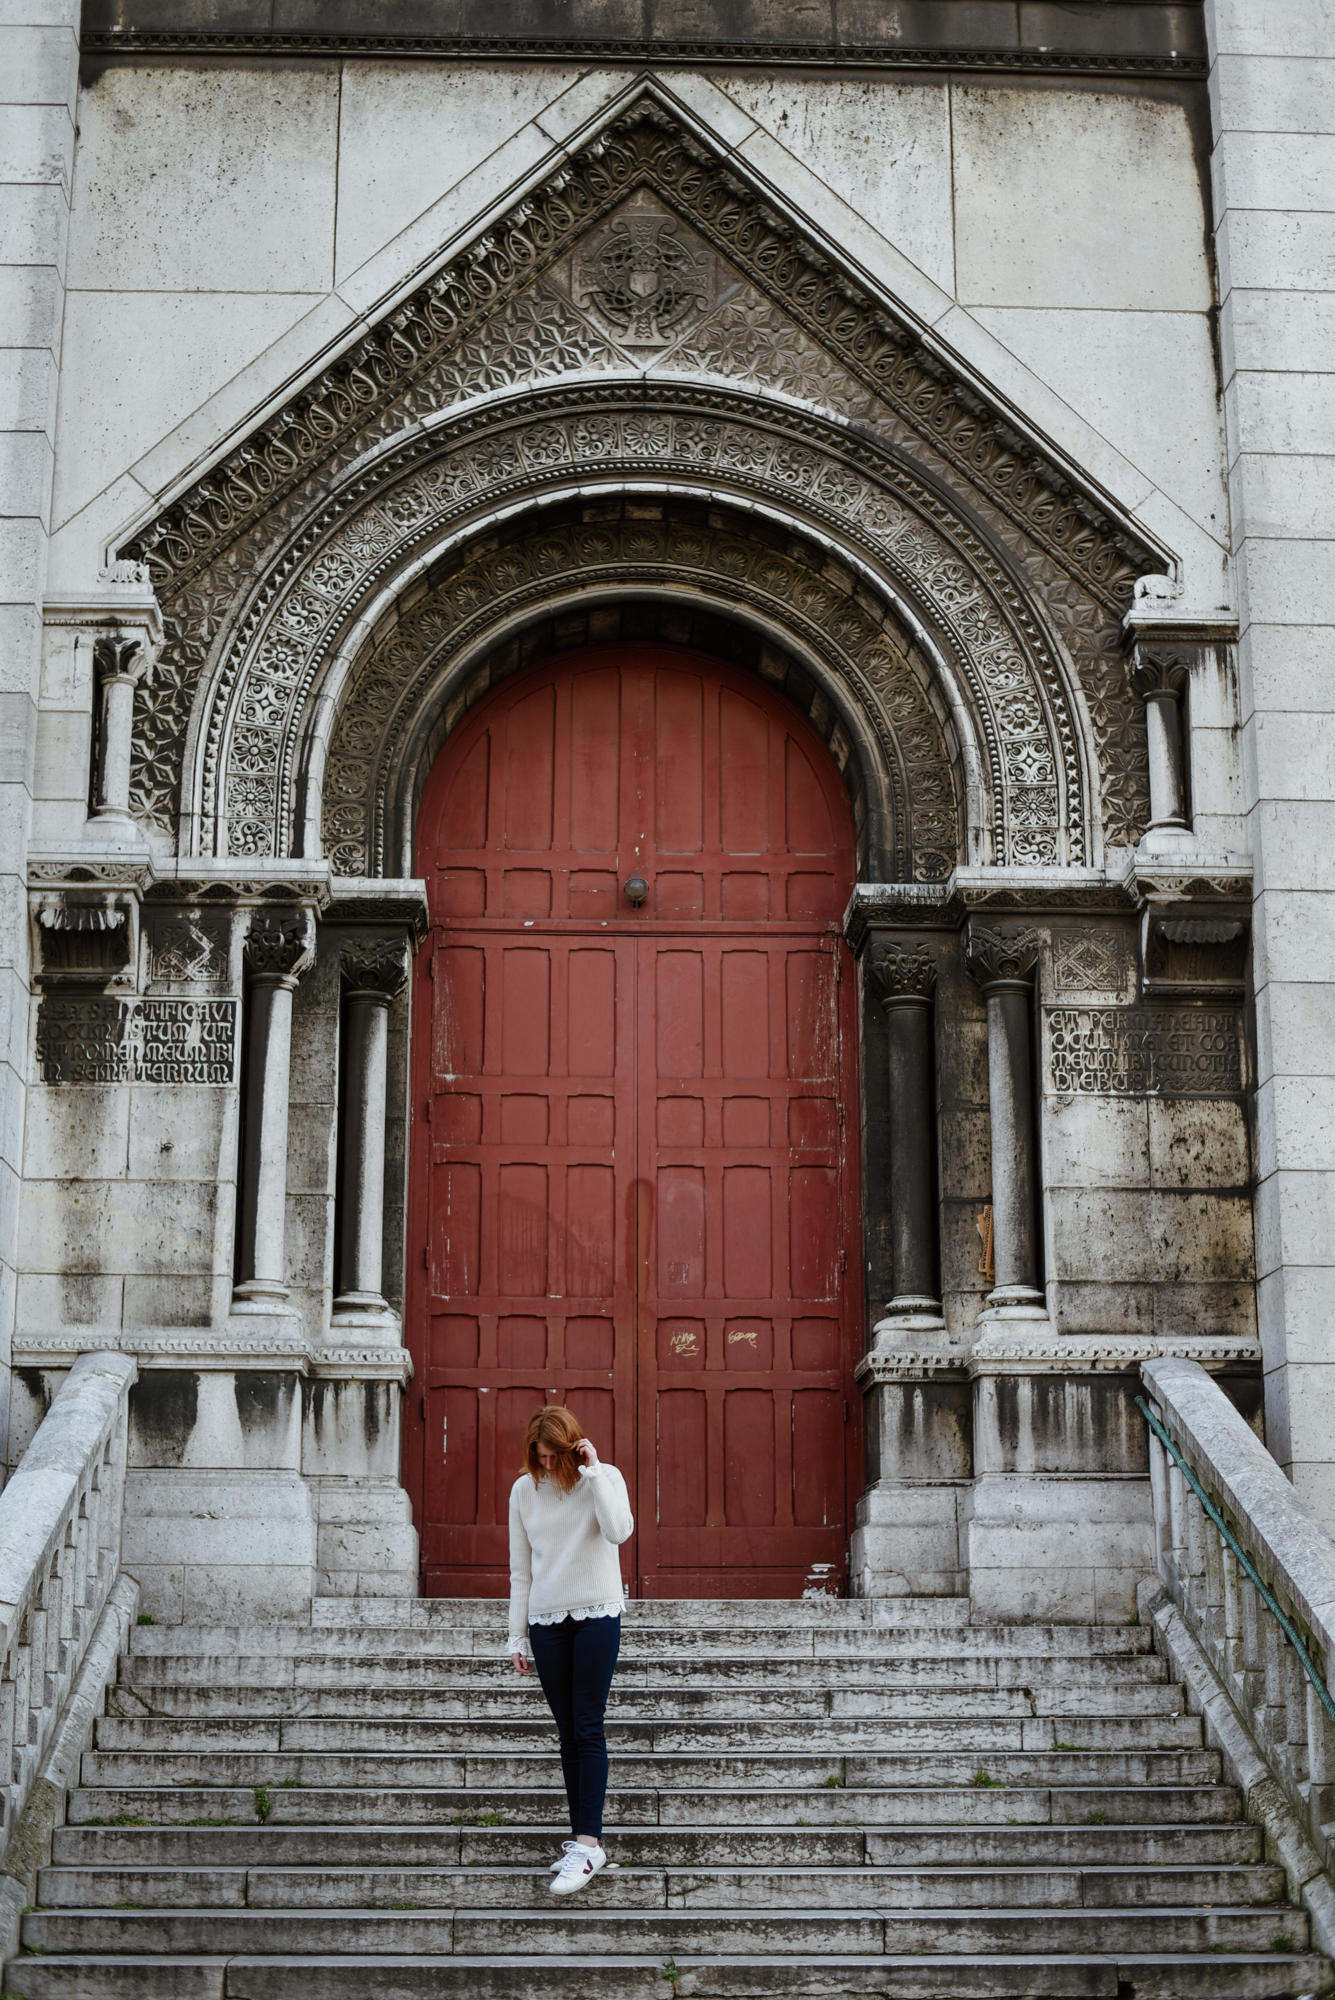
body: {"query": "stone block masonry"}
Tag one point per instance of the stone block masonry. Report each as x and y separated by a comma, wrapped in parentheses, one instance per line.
(1272, 90)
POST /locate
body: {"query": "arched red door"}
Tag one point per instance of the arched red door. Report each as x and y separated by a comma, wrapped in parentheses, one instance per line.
(634, 1141)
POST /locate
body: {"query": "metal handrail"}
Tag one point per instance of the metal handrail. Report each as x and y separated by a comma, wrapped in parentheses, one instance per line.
(1268, 1598)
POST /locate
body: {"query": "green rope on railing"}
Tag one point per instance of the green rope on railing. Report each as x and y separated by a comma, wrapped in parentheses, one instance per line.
(1268, 1598)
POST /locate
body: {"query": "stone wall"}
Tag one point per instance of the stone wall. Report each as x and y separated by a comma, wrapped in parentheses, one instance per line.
(38, 86)
(1274, 202)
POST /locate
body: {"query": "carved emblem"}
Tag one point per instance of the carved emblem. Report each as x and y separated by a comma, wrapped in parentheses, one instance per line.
(642, 280)
(186, 950)
(1092, 961)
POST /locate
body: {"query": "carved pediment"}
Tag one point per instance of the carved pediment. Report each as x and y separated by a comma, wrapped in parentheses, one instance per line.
(643, 255)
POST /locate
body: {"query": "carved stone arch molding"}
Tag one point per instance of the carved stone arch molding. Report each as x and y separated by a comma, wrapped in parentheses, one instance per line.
(714, 573)
(642, 328)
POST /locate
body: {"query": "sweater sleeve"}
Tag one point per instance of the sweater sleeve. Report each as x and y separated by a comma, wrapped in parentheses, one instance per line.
(521, 1575)
(611, 1502)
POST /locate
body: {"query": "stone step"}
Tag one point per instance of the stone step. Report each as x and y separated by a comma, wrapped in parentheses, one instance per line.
(538, 1764)
(522, 1699)
(802, 1887)
(683, 1613)
(591, 1927)
(963, 1844)
(671, 1661)
(638, 1642)
(909, 1805)
(161, 1736)
(896, 1671)
(947, 1976)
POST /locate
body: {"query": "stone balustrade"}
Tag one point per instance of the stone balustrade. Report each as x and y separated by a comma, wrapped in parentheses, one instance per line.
(63, 1612)
(1249, 1618)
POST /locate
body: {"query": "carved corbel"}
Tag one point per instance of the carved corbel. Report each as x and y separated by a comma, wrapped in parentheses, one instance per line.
(85, 937)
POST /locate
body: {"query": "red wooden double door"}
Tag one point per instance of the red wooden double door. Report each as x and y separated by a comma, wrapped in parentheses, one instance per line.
(634, 1137)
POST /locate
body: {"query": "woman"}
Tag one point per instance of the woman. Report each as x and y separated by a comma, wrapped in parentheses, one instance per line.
(569, 1513)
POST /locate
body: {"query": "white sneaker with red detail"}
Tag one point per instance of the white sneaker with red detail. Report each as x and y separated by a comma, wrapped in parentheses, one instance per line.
(577, 1866)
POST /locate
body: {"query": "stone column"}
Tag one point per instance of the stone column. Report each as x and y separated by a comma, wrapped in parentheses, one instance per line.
(1003, 960)
(121, 661)
(374, 974)
(1160, 678)
(906, 978)
(280, 947)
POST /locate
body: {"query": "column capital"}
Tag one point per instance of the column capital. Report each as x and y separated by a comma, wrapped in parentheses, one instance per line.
(122, 656)
(1002, 954)
(904, 972)
(376, 965)
(280, 945)
(1160, 671)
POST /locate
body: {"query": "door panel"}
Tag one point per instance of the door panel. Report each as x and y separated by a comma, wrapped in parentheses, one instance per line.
(632, 1186)
(749, 1229)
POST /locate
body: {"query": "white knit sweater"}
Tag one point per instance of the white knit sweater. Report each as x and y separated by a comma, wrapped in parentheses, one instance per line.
(563, 1549)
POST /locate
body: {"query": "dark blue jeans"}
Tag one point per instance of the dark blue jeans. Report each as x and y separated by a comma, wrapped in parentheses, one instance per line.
(575, 1661)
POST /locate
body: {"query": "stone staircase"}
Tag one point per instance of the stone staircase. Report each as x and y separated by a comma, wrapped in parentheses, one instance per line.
(809, 1798)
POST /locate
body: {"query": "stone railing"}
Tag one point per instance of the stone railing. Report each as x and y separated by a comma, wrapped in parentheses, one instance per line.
(1248, 1621)
(65, 1610)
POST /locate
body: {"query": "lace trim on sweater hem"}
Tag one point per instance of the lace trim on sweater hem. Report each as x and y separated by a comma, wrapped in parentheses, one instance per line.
(613, 1608)
(610, 1609)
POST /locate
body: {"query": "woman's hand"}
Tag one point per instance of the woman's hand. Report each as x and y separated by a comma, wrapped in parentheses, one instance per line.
(522, 1666)
(587, 1455)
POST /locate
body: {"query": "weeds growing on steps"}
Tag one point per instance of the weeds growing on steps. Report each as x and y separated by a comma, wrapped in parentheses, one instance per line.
(983, 1781)
(145, 1618)
(263, 1803)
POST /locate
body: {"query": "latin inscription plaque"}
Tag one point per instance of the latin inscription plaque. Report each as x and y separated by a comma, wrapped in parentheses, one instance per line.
(1131, 1051)
(91, 1039)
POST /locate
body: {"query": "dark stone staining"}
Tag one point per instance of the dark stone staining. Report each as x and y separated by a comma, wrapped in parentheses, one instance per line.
(317, 1395)
(164, 1405)
(263, 1402)
(1071, 1424)
(373, 1394)
(36, 1383)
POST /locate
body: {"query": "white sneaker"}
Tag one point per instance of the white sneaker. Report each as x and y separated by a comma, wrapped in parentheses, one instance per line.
(579, 1865)
(566, 1846)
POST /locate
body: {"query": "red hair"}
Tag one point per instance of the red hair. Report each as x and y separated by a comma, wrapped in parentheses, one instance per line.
(557, 1430)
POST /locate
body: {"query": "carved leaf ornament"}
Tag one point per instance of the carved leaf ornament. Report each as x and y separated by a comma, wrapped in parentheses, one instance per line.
(832, 417)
